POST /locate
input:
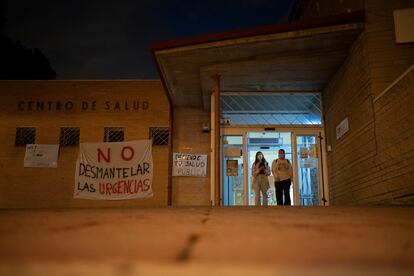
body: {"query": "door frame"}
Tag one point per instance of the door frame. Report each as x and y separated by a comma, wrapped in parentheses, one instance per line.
(295, 131)
(323, 187)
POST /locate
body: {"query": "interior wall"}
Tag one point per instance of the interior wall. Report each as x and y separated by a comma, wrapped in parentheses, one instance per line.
(373, 162)
(188, 137)
(53, 187)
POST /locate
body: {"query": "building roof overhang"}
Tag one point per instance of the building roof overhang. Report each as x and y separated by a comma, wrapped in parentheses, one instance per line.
(293, 57)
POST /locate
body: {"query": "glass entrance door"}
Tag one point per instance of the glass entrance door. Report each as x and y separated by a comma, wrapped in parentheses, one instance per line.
(269, 144)
(233, 191)
(302, 148)
(308, 169)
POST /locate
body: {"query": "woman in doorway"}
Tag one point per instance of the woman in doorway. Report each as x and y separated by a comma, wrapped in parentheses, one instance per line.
(260, 172)
(282, 172)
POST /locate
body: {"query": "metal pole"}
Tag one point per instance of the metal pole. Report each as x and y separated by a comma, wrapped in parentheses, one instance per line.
(217, 150)
(323, 183)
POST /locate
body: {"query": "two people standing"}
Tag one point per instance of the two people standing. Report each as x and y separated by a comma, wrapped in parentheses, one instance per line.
(282, 172)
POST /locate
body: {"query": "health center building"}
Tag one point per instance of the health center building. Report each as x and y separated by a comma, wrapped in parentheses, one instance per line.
(333, 87)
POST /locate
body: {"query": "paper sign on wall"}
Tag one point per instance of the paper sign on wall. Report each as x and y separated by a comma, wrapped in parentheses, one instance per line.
(308, 163)
(313, 152)
(114, 171)
(403, 22)
(304, 152)
(187, 164)
(342, 128)
(41, 156)
(232, 167)
(232, 152)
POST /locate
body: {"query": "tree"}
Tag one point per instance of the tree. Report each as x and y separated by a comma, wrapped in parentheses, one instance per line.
(20, 63)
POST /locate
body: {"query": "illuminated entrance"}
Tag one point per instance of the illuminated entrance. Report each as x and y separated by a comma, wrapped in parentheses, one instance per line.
(268, 122)
(303, 150)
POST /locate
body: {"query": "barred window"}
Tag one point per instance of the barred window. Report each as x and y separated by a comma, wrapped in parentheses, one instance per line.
(69, 136)
(25, 135)
(159, 135)
(114, 134)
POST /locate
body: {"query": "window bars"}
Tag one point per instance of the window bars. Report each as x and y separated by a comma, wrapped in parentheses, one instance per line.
(114, 134)
(69, 136)
(159, 135)
(25, 135)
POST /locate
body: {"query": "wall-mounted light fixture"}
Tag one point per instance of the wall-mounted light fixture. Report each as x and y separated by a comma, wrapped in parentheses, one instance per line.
(206, 127)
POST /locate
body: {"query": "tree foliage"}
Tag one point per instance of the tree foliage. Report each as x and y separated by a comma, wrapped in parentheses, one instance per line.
(20, 63)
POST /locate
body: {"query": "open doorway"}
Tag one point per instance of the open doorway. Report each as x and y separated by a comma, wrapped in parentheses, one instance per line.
(268, 122)
(303, 148)
(269, 144)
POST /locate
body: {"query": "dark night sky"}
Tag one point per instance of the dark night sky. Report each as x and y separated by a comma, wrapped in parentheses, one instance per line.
(89, 39)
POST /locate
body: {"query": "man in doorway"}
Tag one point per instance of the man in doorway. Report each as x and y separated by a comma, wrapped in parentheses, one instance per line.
(282, 172)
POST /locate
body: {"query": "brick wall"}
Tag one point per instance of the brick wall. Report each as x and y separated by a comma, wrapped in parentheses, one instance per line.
(387, 59)
(394, 125)
(189, 138)
(53, 188)
(373, 162)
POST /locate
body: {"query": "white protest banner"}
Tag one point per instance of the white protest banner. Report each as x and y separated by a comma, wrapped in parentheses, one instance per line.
(187, 164)
(41, 156)
(114, 171)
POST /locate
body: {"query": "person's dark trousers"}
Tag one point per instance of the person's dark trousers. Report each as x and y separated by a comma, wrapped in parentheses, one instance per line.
(283, 189)
(286, 191)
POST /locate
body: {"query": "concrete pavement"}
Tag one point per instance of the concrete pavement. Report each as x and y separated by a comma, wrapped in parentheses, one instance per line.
(206, 241)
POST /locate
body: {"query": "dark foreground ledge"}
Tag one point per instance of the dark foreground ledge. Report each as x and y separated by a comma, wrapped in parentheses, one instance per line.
(207, 241)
